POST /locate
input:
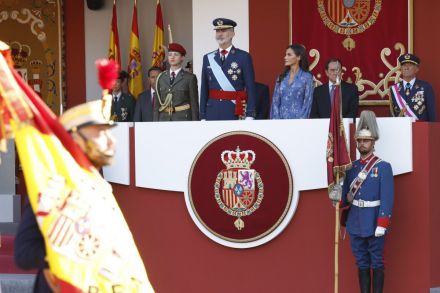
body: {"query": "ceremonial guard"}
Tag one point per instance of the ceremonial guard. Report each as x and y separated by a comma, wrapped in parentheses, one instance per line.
(228, 82)
(412, 97)
(368, 195)
(91, 131)
(176, 90)
(123, 103)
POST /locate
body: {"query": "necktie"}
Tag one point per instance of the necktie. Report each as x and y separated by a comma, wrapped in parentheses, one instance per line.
(223, 55)
(407, 88)
(332, 93)
(173, 76)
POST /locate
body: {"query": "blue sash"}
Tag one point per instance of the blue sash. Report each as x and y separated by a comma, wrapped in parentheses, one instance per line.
(220, 76)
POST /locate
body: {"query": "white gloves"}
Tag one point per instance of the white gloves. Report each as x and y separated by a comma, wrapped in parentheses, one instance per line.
(249, 118)
(380, 231)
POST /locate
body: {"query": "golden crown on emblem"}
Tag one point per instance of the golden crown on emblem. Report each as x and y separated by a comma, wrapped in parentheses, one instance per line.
(20, 53)
(238, 158)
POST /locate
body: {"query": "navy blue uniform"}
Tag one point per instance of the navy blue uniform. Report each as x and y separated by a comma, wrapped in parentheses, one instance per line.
(239, 70)
(362, 221)
(421, 100)
(29, 249)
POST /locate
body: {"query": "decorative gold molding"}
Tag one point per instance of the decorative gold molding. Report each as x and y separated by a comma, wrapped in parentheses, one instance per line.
(382, 87)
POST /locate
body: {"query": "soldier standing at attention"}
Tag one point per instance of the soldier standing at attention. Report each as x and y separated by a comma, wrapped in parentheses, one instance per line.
(176, 90)
(368, 193)
(412, 97)
(228, 81)
(122, 103)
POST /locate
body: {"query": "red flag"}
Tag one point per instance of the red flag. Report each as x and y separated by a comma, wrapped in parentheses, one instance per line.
(338, 158)
(114, 52)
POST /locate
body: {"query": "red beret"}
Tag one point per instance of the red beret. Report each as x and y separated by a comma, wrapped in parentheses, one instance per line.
(175, 47)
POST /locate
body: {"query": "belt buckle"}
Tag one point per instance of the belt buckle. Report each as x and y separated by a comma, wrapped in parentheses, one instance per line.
(361, 203)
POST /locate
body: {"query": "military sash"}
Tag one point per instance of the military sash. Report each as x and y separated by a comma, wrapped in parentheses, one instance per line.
(220, 76)
(402, 104)
(357, 182)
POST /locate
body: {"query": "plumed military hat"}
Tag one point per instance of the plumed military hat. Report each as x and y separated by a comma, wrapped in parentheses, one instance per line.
(90, 113)
(175, 47)
(223, 23)
(367, 127)
(409, 58)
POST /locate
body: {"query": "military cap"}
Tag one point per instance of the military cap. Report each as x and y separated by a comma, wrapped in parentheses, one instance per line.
(409, 58)
(175, 47)
(123, 75)
(223, 23)
(90, 113)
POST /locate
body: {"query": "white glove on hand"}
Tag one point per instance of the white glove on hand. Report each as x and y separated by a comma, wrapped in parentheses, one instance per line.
(249, 118)
(335, 193)
(380, 231)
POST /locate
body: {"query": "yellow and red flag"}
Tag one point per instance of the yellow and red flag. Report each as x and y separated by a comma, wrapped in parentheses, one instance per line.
(158, 49)
(114, 52)
(135, 86)
(89, 247)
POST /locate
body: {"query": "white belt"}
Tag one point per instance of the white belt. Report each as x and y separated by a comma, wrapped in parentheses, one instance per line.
(366, 204)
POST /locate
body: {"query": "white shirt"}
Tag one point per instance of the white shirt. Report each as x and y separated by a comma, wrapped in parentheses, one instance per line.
(152, 91)
(116, 96)
(227, 49)
(175, 71)
(330, 84)
(411, 83)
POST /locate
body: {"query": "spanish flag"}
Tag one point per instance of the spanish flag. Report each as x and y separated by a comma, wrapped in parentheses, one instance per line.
(135, 86)
(114, 52)
(89, 247)
(158, 50)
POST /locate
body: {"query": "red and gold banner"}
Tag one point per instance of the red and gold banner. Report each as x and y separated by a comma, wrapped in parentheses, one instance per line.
(158, 50)
(114, 52)
(367, 35)
(88, 245)
(338, 158)
(135, 85)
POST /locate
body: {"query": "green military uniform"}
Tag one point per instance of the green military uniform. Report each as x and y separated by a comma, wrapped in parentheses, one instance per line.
(176, 100)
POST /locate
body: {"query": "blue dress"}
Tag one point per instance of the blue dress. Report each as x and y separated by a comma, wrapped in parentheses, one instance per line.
(293, 101)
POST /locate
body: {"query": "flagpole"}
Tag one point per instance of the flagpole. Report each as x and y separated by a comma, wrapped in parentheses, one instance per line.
(337, 227)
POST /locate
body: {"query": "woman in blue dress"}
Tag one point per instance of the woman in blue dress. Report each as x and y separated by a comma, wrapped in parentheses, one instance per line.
(293, 95)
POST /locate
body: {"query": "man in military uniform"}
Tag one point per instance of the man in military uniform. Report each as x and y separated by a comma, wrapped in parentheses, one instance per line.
(412, 97)
(91, 131)
(123, 103)
(368, 193)
(228, 82)
(176, 90)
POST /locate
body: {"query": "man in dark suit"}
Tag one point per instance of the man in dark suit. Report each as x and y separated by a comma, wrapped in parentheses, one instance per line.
(122, 103)
(412, 97)
(263, 103)
(91, 131)
(323, 94)
(177, 93)
(143, 111)
(228, 81)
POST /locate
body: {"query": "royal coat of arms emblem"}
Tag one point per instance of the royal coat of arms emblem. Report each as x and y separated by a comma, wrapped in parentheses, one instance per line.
(349, 17)
(238, 188)
(227, 198)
